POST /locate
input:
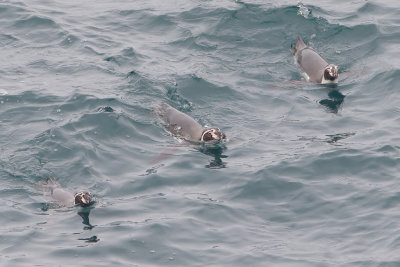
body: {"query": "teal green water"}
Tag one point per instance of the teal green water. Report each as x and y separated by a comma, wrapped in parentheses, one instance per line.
(309, 176)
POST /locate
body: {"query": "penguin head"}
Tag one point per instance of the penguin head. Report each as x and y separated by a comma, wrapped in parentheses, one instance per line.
(83, 199)
(212, 134)
(331, 72)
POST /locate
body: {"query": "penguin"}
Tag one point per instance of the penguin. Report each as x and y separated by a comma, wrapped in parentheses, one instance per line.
(64, 197)
(317, 70)
(182, 125)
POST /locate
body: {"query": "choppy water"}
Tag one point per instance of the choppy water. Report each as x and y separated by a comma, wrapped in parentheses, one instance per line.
(310, 175)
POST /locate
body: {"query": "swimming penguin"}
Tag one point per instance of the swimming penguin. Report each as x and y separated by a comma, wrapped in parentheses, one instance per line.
(181, 124)
(62, 196)
(314, 66)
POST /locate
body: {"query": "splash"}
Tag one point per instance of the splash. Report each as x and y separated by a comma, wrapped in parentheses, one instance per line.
(303, 10)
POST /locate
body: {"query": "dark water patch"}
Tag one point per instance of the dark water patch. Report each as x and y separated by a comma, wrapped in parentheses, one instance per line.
(144, 20)
(6, 40)
(41, 64)
(350, 35)
(388, 149)
(199, 43)
(390, 201)
(344, 165)
(92, 239)
(53, 145)
(389, 80)
(383, 89)
(335, 138)
(38, 29)
(334, 101)
(9, 13)
(157, 24)
(225, 25)
(106, 109)
(64, 66)
(130, 12)
(127, 56)
(36, 23)
(87, 102)
(97, 136)
(144, 83)
(132, 74)
(192, 86)
(92, 49)
(17, 109)
(350, 49)
(183, 104)
(268, 186)
(372, 8)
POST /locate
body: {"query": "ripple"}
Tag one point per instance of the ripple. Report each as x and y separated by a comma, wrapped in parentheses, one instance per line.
(36, 22)
(308, 176)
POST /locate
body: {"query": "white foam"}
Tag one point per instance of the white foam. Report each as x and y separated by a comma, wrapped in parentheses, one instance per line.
(303, 11)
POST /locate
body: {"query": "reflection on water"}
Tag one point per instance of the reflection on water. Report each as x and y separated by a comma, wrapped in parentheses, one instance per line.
(84, 213)
(85, 218)
(92, 239)
(334, 138)
(334, 101)
(213, 150)
(44, 206)
(216, 153)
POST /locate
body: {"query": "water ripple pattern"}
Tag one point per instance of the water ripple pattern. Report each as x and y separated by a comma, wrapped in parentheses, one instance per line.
(309, 175)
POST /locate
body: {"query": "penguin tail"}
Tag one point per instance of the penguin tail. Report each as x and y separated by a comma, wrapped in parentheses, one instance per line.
(298, 45)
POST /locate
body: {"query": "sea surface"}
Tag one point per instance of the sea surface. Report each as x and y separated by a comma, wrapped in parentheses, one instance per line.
(309, 176)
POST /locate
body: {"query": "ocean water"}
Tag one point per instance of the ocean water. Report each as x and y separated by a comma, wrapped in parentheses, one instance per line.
(310, 173)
